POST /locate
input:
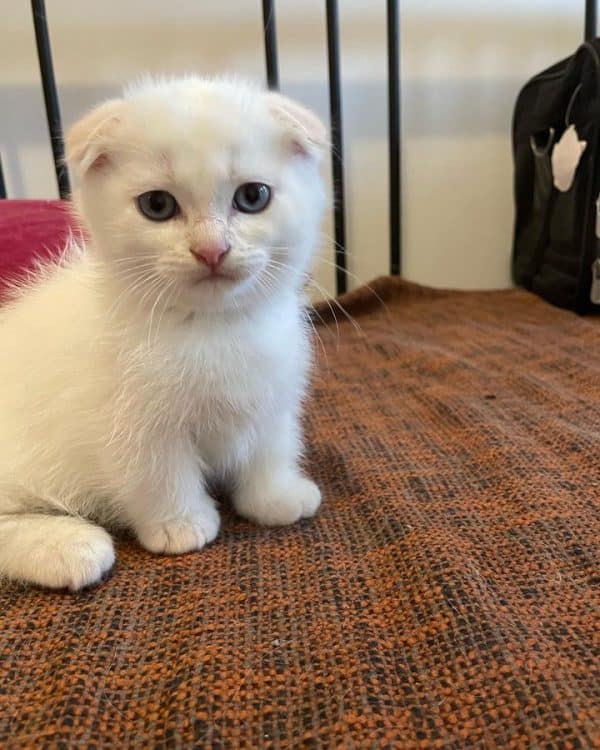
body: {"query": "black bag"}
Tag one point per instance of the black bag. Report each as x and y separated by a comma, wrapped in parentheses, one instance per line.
(557, 232)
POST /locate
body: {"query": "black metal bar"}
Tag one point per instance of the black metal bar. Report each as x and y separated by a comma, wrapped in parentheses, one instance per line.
(42, 39)
(270, 32)
(337, 145)
(2, 183)
(591, 19)
(394, 136)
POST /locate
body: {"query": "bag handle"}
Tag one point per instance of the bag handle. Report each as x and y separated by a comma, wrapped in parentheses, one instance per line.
(590, 49)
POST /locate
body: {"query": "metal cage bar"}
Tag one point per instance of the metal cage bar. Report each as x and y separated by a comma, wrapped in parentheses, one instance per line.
(591, 18)
(40, 23)
(270, 34)
(394, 136)
(2, 183)
(337, 145)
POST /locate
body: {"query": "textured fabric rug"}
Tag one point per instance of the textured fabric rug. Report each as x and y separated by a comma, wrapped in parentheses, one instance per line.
(447, 595)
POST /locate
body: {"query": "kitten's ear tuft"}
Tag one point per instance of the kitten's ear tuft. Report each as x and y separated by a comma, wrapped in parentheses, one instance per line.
(89, 140)
(307, 131)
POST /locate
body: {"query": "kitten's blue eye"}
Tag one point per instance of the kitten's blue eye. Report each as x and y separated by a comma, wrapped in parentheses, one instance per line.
(157, 205)
(252, 197)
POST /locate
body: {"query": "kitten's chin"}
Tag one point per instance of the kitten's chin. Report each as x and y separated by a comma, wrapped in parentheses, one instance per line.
(215, 279)
(217, 292)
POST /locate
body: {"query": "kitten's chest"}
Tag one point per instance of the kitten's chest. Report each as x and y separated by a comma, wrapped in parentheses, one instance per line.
(226, 381)
(232, 379)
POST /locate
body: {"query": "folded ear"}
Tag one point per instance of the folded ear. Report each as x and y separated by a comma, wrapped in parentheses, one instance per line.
(89, 142)
(308, 135)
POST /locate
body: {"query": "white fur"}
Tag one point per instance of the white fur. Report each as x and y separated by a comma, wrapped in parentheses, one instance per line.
(125, 382)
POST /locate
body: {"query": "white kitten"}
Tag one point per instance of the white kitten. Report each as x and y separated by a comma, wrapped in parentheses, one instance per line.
(173, 349)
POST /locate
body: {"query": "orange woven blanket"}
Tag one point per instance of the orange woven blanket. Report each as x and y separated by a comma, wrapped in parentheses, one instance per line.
(446, 596)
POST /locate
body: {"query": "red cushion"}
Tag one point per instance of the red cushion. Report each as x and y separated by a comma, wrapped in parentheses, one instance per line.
(31, 231)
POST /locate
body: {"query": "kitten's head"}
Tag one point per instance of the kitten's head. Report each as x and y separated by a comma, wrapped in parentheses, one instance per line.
(205, 192)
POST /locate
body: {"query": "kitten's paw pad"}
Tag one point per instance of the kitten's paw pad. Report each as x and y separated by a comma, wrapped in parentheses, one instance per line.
(72, 563)
(283, 503)
(180, 535)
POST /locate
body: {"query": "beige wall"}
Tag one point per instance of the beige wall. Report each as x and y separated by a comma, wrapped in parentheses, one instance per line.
(463, 62)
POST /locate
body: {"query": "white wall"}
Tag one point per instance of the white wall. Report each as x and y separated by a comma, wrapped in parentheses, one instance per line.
(463, 62)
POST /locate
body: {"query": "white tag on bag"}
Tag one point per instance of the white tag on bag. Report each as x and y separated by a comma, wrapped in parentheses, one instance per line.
(565, 158)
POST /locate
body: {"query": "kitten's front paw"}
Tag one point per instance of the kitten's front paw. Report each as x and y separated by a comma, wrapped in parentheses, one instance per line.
(282, 502)
(73, 562)
(179, 535)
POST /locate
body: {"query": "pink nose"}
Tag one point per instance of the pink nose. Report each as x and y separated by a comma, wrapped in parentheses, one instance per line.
(211, 254)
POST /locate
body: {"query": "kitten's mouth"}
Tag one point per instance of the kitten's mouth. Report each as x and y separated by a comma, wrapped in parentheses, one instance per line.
(215, 277)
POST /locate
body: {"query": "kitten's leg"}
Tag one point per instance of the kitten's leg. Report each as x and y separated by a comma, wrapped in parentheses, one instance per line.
(53, 551)
(271, 490)
(169, 508)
